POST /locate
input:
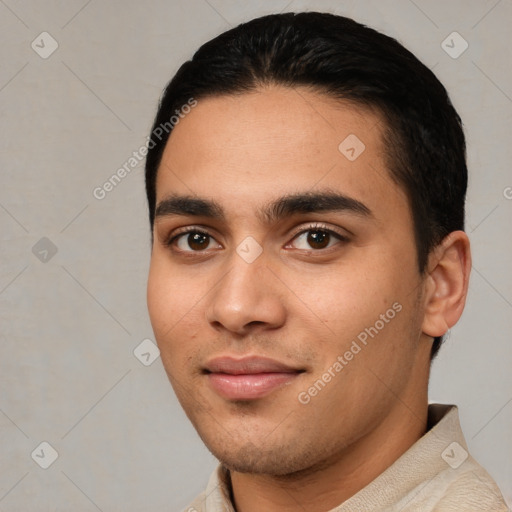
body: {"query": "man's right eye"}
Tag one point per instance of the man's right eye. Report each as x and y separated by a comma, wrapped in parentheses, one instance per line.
(193, 241)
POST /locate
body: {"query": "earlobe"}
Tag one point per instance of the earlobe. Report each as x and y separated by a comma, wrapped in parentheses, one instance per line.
(447, 283)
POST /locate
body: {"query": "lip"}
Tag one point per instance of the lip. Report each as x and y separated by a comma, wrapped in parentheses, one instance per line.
(248, 378)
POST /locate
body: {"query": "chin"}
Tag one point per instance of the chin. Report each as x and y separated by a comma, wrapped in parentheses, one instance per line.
(249, 457)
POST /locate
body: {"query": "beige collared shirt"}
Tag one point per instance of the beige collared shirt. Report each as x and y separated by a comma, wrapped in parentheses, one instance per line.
(436, 474)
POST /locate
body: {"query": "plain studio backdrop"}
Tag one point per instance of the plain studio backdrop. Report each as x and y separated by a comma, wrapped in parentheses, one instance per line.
(82, 392)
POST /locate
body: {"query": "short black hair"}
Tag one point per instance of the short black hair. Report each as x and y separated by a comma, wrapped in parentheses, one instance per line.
(337, 56)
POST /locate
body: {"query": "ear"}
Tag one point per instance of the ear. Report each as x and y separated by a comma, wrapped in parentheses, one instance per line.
(446, 284)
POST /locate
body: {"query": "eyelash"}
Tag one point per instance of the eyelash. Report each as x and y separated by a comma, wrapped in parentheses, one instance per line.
(312, 227)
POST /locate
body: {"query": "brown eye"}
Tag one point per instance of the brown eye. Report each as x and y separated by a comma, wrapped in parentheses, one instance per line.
(194, 241)
(318, 239)
(198, 241)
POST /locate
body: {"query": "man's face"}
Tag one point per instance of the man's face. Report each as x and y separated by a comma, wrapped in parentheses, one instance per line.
(290, 329)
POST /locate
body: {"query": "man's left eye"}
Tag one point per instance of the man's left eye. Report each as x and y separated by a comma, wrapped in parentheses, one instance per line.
(316, 239)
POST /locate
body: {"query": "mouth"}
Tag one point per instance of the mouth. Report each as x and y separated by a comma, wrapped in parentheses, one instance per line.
(248, 378)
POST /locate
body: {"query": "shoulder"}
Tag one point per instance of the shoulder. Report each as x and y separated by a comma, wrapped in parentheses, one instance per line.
(470, 488)
(197, 505)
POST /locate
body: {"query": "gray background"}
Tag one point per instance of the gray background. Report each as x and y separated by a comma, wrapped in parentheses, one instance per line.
(70, 321)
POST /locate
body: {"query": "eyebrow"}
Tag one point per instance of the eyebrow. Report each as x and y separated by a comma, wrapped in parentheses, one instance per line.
(285, 206)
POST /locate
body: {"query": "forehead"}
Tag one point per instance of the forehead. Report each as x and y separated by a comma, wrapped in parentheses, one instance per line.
(244, 149)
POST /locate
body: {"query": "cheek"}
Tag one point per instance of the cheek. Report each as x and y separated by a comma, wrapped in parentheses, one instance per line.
(370, 302)
(170, 300)
(347, 297)
(174, 320)
(158, 297)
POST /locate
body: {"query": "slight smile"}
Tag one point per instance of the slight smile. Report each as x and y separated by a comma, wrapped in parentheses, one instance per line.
(248, 378)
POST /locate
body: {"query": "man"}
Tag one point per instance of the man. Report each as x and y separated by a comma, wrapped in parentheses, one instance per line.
(307, 207)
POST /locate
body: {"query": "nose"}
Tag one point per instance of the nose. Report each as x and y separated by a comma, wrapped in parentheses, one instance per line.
(247, 299)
